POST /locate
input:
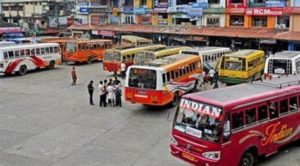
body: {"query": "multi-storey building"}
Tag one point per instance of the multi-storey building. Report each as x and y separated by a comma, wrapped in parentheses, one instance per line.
(160, 15)
(214, 16)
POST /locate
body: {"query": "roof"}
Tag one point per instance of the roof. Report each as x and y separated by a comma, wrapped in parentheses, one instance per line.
(177, 58)
(239, 32)
(205, 49)
(233, 94)
(27, 45)
(290, 36)
(134, 38)
(89, 41)
(131, 48)
(286, 54)
(242, 53)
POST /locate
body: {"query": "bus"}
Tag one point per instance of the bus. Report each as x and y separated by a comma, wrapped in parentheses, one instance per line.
(62, 43)
(241, 66)
(134, 40)
(237, 124)
(146, 56)
(6, 43)
(25, 40)
(285, 62)
(21, 58)
(114, 57)
(162, 81)
(86, 50)
(210, 56)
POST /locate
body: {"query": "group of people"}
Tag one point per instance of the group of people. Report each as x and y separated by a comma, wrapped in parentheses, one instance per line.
(110, 92)
(212, 76)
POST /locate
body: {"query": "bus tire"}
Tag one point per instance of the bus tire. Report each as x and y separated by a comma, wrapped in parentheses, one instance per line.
(89, 60)
(175, 100)
(51, 65)
(247, 159)
(23, 70)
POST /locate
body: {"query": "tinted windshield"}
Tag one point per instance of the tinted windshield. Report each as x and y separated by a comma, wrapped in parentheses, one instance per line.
(199, 120)
(70, 47)
(280, 66)
(108, 56)
(117, 56)
(142, 78)
(142, 57)
(233, 65)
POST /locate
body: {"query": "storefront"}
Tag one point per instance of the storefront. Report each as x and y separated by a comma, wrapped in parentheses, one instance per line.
(160, 15)
(263, 17)
(235, 17)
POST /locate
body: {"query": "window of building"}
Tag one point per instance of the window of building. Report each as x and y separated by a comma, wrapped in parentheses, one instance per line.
(262, 113)
(128, 3)
(283, 22)
(236, 1)
(237, 120)
(259, 21)
(143, 2)
(5, 8)
(213, 1)
(213, 21)
(236, 20)
(185, 2)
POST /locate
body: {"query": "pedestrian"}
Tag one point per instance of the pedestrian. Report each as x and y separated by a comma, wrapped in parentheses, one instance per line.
(116, 81)
(211, 74)
(74, 76)
(105, 91)
(216, 79)
(110, 95)
(101, 94)
(90, 88)
(118, 93)
(123, 69)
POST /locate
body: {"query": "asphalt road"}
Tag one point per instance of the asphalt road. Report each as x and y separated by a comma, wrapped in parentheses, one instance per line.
(46, 121)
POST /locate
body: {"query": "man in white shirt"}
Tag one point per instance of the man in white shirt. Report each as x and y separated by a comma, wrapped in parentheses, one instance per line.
(211, 74)
(123, 69)
(101, 94)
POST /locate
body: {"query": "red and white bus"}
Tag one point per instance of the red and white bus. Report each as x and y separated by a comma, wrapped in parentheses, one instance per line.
(24, 57)
(162, 81)
(235, 125)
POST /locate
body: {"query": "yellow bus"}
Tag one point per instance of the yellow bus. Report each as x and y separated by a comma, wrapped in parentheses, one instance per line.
(134, 40)
(114, 57)
(162, 81)
(241, 66)
(148, 56)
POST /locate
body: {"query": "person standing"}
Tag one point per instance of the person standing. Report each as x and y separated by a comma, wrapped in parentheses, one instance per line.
(116, 81)
(216, 79)
(118, 93)
(105, 92)
(74, 76)
(110, 95)
(211, 75)
(123, 69)
(91, 91)
(101, 94)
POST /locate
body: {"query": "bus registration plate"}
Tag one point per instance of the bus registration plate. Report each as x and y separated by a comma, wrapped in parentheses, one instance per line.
(188, 156)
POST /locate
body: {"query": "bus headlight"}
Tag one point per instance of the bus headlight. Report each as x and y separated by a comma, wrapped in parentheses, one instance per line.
(173, 141)
(216, 155)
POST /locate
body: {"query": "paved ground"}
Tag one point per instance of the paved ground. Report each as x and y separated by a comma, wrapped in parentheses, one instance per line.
(46, 121)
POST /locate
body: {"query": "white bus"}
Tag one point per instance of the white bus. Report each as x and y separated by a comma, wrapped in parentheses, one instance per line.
(285, 62)
(6, 43)
(21, 58)
(209, 55)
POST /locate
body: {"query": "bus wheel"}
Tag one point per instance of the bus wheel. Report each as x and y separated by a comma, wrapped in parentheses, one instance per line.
(175, 100)
(89, 60)
(22, 70)
(51, 65)
(247, 159)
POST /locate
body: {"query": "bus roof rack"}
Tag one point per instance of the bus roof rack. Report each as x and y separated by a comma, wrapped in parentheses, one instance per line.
(280, 83)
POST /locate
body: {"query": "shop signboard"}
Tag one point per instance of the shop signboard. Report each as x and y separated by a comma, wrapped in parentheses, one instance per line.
(160, 5)
(140, 10)
(84, 10)
(183, 9)
(106, 33)
(201, 4)
(264, 11)
(195, 12)
(235, 10)
(128, 10)
(278, 3)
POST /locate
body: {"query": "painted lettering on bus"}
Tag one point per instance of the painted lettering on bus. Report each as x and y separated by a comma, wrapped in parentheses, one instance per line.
(273, 136)
(201, 108)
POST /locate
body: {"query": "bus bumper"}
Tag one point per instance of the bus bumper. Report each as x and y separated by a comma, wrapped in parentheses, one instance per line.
(232, 80)
(192, 158)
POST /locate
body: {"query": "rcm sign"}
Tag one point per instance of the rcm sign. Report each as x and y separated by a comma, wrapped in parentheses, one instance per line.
(264, 11)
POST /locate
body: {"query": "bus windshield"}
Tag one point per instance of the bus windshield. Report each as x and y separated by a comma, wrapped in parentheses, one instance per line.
(142, 78)
(142, 57)
(117, 56)
(70, 47)
(280, 66)
(108, 56)
(199, 120)
(233, 65)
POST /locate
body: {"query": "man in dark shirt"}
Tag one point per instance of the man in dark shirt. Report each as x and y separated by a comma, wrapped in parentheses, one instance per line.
(91, 91)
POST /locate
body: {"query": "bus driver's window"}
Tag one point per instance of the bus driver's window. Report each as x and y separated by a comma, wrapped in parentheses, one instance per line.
(273, 110)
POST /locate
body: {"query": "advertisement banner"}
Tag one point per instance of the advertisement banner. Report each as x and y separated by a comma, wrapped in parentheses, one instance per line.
(264, 11)
(275, 3)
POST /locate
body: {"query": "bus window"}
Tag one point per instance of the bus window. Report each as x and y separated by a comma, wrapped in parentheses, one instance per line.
(273, 110)
(56, 49)
(187, 69)
(42, 50)
(22, 53)
(180, 72)
(168, 76)
(250, 116)
(142, 78)
(27, 52)
(11, 54)
(47, 50)
(283, 106)
(183, 70)
(237, 120)
(164, 78)
(176, 73)
(17, 54)
(293, 104)
(262, 113)
(5, 55)
(173, 74)
(37, 51)
(51, 50)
